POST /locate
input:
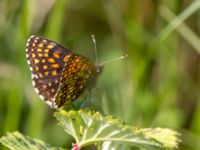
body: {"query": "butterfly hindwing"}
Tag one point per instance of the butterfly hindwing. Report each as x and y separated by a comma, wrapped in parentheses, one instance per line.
(78, 74)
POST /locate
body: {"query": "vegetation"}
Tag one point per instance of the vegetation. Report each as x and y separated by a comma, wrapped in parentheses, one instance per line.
(89, 128)
(156, 86)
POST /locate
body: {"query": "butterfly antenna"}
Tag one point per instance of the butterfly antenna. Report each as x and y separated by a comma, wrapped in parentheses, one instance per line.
(95, 48)
(115, 59)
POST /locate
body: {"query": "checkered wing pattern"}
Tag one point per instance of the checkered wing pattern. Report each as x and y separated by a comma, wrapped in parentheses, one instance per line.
(78, 74)
(58, 75)
(46, 60)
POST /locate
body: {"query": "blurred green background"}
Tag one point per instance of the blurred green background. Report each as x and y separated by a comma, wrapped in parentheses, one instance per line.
(158, 85)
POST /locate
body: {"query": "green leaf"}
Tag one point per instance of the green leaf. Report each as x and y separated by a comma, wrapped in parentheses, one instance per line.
(17, 141)
(91, 127)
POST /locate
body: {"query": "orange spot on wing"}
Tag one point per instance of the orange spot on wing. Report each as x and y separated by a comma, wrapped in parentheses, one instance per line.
(56, 55)
(40, 54)
(46, 50)
(46, 54)
(36, 68)
(51, 60)
(46, 73)
(65, 58)
(54, 65)
(40, 45)
(45, 67)
(33, 55)
(36, 61)
(54, 73)
(39, 50)
(77, 59)
(43, 60)
(50, 46)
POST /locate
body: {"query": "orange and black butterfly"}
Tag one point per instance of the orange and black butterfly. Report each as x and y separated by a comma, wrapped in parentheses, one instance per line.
(59, 76)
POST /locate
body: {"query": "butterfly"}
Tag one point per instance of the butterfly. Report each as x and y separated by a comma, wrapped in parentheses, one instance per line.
(59, 76)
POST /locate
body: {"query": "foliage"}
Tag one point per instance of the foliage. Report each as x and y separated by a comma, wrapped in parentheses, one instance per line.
(156, 86)
(91, 127)
(17, 141)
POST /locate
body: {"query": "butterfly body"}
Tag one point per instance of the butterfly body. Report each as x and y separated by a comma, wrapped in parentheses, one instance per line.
(59, 76)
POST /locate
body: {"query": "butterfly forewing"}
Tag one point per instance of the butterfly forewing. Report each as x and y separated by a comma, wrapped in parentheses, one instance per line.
(46, 60)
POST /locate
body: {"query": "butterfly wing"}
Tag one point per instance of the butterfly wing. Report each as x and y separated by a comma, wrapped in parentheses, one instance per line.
(46, 60)
(78, 74)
